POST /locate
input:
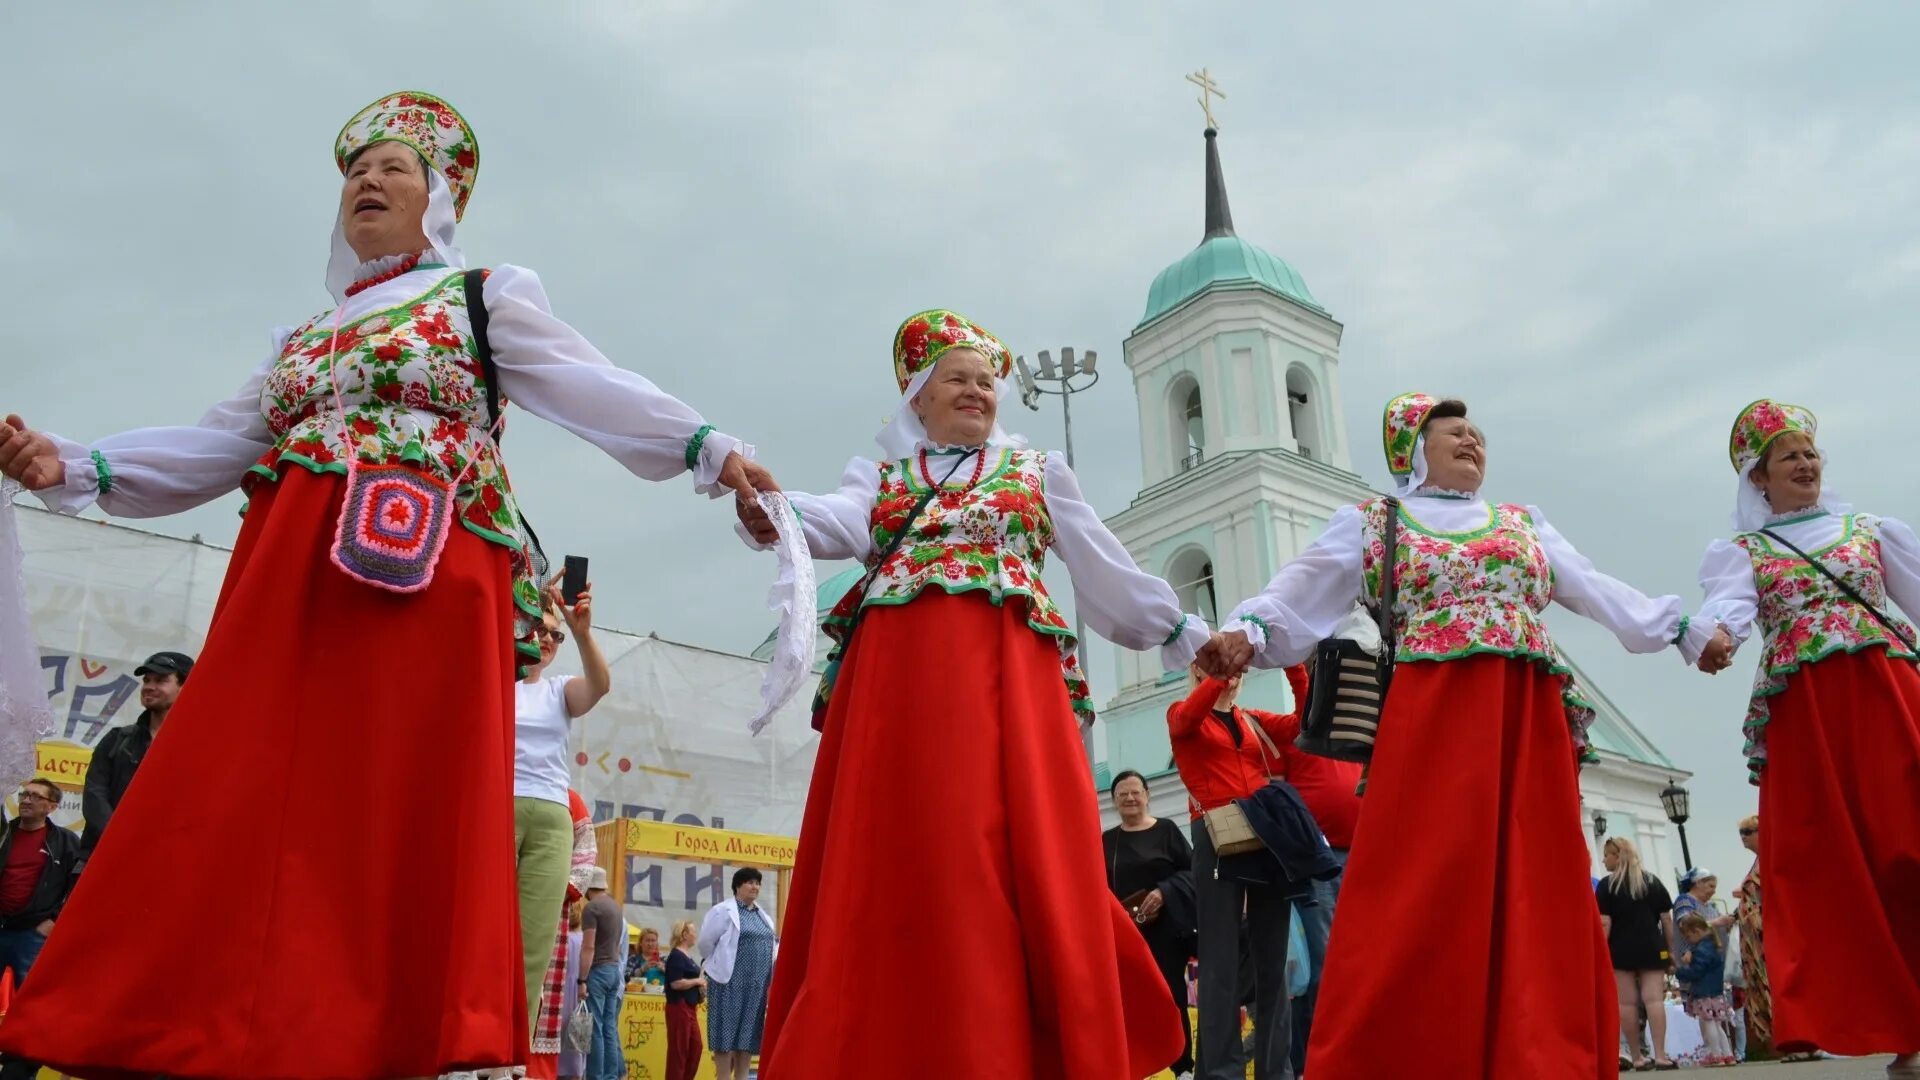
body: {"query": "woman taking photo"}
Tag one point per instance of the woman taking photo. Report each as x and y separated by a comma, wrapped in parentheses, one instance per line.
(1149, 862)
(954, 673)
(1482, 729)
(1636, 914)
(1833, 738)
(381, 545)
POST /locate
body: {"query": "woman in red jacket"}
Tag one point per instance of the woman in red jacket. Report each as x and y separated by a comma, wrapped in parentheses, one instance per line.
(1222, 756)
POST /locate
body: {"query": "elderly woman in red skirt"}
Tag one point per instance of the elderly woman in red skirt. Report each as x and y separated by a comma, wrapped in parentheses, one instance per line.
(1833, 739)
(1439, 963)
(361, 658)
(952, 831)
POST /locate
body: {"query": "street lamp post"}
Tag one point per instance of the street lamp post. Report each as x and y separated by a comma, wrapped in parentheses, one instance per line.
(1677, 803)
(1061, 382)
(1075, 374)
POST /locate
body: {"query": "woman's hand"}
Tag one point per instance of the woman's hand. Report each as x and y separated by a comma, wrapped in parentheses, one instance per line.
(578, 617)
(29, 457)
(754, 517)
(1225, 655)
(1718, 655)
(1150, 906)
(745, 477)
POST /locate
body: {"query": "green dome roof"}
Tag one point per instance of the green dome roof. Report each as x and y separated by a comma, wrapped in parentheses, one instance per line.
(1222, 259)
(1227, 262)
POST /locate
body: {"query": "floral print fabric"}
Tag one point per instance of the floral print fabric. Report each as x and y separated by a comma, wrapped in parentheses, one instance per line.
(992, 537)
(414, 394)
(1468, 593)
(1804, 617)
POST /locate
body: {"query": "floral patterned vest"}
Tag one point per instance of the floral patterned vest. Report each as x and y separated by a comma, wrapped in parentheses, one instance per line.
(992, 538)
(1467, 593)
(1804, 617)
(412, 386)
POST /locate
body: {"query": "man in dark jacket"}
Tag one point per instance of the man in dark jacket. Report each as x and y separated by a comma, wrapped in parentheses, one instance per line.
(122, 749)
(38, 866)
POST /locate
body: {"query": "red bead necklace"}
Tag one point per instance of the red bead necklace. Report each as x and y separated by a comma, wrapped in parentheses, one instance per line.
(403, 266)
(979, 469)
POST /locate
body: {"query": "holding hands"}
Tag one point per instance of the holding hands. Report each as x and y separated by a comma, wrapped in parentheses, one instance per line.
(1225, 655)
(1718, 655)
(747, 479)
(29, 457)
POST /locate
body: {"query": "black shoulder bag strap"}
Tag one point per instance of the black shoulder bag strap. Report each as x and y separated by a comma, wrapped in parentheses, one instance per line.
(913, 517)
(1389, 647)
(476, 286)
(475, 283)
(1878, 617)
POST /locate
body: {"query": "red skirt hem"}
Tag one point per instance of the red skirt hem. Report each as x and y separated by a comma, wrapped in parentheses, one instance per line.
(1468, 943)
(951, 851)
(311, 876)
(1840, 855)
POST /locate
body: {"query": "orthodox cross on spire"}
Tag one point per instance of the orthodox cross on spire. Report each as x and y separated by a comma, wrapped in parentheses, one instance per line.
(1208, 91)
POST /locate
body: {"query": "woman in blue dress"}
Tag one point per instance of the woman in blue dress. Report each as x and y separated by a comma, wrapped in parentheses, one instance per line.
(737, 940)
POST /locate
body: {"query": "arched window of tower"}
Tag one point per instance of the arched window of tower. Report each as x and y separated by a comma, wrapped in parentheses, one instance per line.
(1189, 426)
(1303, 407)
(1191, 575)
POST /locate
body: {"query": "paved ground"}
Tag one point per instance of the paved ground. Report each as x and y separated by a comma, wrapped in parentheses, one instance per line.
(1869, 1068)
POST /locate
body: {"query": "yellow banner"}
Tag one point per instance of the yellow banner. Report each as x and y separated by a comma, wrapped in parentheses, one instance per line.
(694, 844)
(62, 763)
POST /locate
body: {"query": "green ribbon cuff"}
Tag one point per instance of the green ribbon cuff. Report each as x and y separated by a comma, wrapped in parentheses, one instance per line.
(694, 444)
(1178, 629)
(102, 472)
(1265, 630)
(1685, 622)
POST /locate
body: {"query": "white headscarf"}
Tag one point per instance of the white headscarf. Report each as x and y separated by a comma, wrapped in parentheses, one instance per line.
(344, 267)
(904, 434)
(1416, 479)
(1752, 512)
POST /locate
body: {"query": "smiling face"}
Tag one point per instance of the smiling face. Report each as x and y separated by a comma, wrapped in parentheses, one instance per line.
(1789, 474)
(959, 401)
(1456, 454)
(384, 201)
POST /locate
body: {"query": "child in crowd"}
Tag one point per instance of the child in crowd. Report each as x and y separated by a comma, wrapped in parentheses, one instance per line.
(1703, 969)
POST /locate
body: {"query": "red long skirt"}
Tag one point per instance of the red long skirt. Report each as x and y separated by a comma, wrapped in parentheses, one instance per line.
(311, 876)
(1468, 944)
(1840, 855)
(947, 914)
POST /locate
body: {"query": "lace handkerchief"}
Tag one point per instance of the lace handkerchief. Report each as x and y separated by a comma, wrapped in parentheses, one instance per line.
(793, 598)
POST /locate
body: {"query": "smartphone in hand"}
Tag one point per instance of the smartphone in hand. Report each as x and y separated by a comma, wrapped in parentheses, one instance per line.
(574, 580)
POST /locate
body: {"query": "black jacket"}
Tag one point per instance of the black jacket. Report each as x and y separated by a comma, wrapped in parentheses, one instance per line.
(57, 877)
(118, 754)
(1295, 852)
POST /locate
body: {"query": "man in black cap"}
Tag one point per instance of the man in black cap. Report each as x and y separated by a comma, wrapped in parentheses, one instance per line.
(122, 749)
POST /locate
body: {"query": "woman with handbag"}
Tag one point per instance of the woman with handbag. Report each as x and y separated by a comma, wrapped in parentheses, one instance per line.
(948, 711)
(1225, 753)
(1150, 870)
(1482, 730)
(381, 544)
(686, 987)
(1833, 738)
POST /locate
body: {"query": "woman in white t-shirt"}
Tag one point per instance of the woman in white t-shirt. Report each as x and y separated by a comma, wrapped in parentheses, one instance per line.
(542, 824)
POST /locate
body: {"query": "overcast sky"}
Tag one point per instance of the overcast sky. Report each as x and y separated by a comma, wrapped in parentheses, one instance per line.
(1606, 226)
